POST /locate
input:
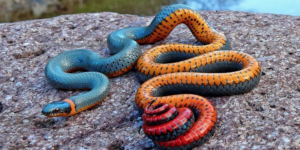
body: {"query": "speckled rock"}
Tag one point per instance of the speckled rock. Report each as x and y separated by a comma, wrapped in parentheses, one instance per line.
(266, 118)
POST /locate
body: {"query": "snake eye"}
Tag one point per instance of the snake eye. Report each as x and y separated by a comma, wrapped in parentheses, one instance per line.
(56, 110)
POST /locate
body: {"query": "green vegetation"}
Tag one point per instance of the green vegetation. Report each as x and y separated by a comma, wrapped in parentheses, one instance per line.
(138, 7)
(26, 10)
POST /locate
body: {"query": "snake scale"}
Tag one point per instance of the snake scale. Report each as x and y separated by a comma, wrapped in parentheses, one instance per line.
(174, 76)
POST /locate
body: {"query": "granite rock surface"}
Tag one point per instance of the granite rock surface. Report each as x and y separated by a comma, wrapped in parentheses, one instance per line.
(268, 117)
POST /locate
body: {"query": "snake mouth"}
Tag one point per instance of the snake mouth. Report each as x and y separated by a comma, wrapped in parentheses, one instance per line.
(57, 108)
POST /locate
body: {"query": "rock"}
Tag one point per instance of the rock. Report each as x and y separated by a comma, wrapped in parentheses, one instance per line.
(265, 118)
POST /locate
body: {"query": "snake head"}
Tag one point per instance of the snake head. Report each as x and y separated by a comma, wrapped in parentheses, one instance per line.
(56, 109)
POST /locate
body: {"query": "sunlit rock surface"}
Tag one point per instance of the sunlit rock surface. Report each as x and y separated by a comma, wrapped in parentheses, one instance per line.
(266, 118)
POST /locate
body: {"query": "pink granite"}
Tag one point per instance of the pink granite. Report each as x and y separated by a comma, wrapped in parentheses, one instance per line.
(268, 117)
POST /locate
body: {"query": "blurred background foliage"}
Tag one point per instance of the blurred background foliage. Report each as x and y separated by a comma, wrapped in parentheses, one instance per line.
(18, 10)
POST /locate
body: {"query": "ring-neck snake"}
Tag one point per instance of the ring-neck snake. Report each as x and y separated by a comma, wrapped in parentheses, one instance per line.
(172, 75)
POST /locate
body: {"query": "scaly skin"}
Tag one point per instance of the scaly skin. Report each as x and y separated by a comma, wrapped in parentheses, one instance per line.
(123, 43)
(175, 72)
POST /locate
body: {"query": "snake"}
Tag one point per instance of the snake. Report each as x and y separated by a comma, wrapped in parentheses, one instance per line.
(176, 77)
(173, 76)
